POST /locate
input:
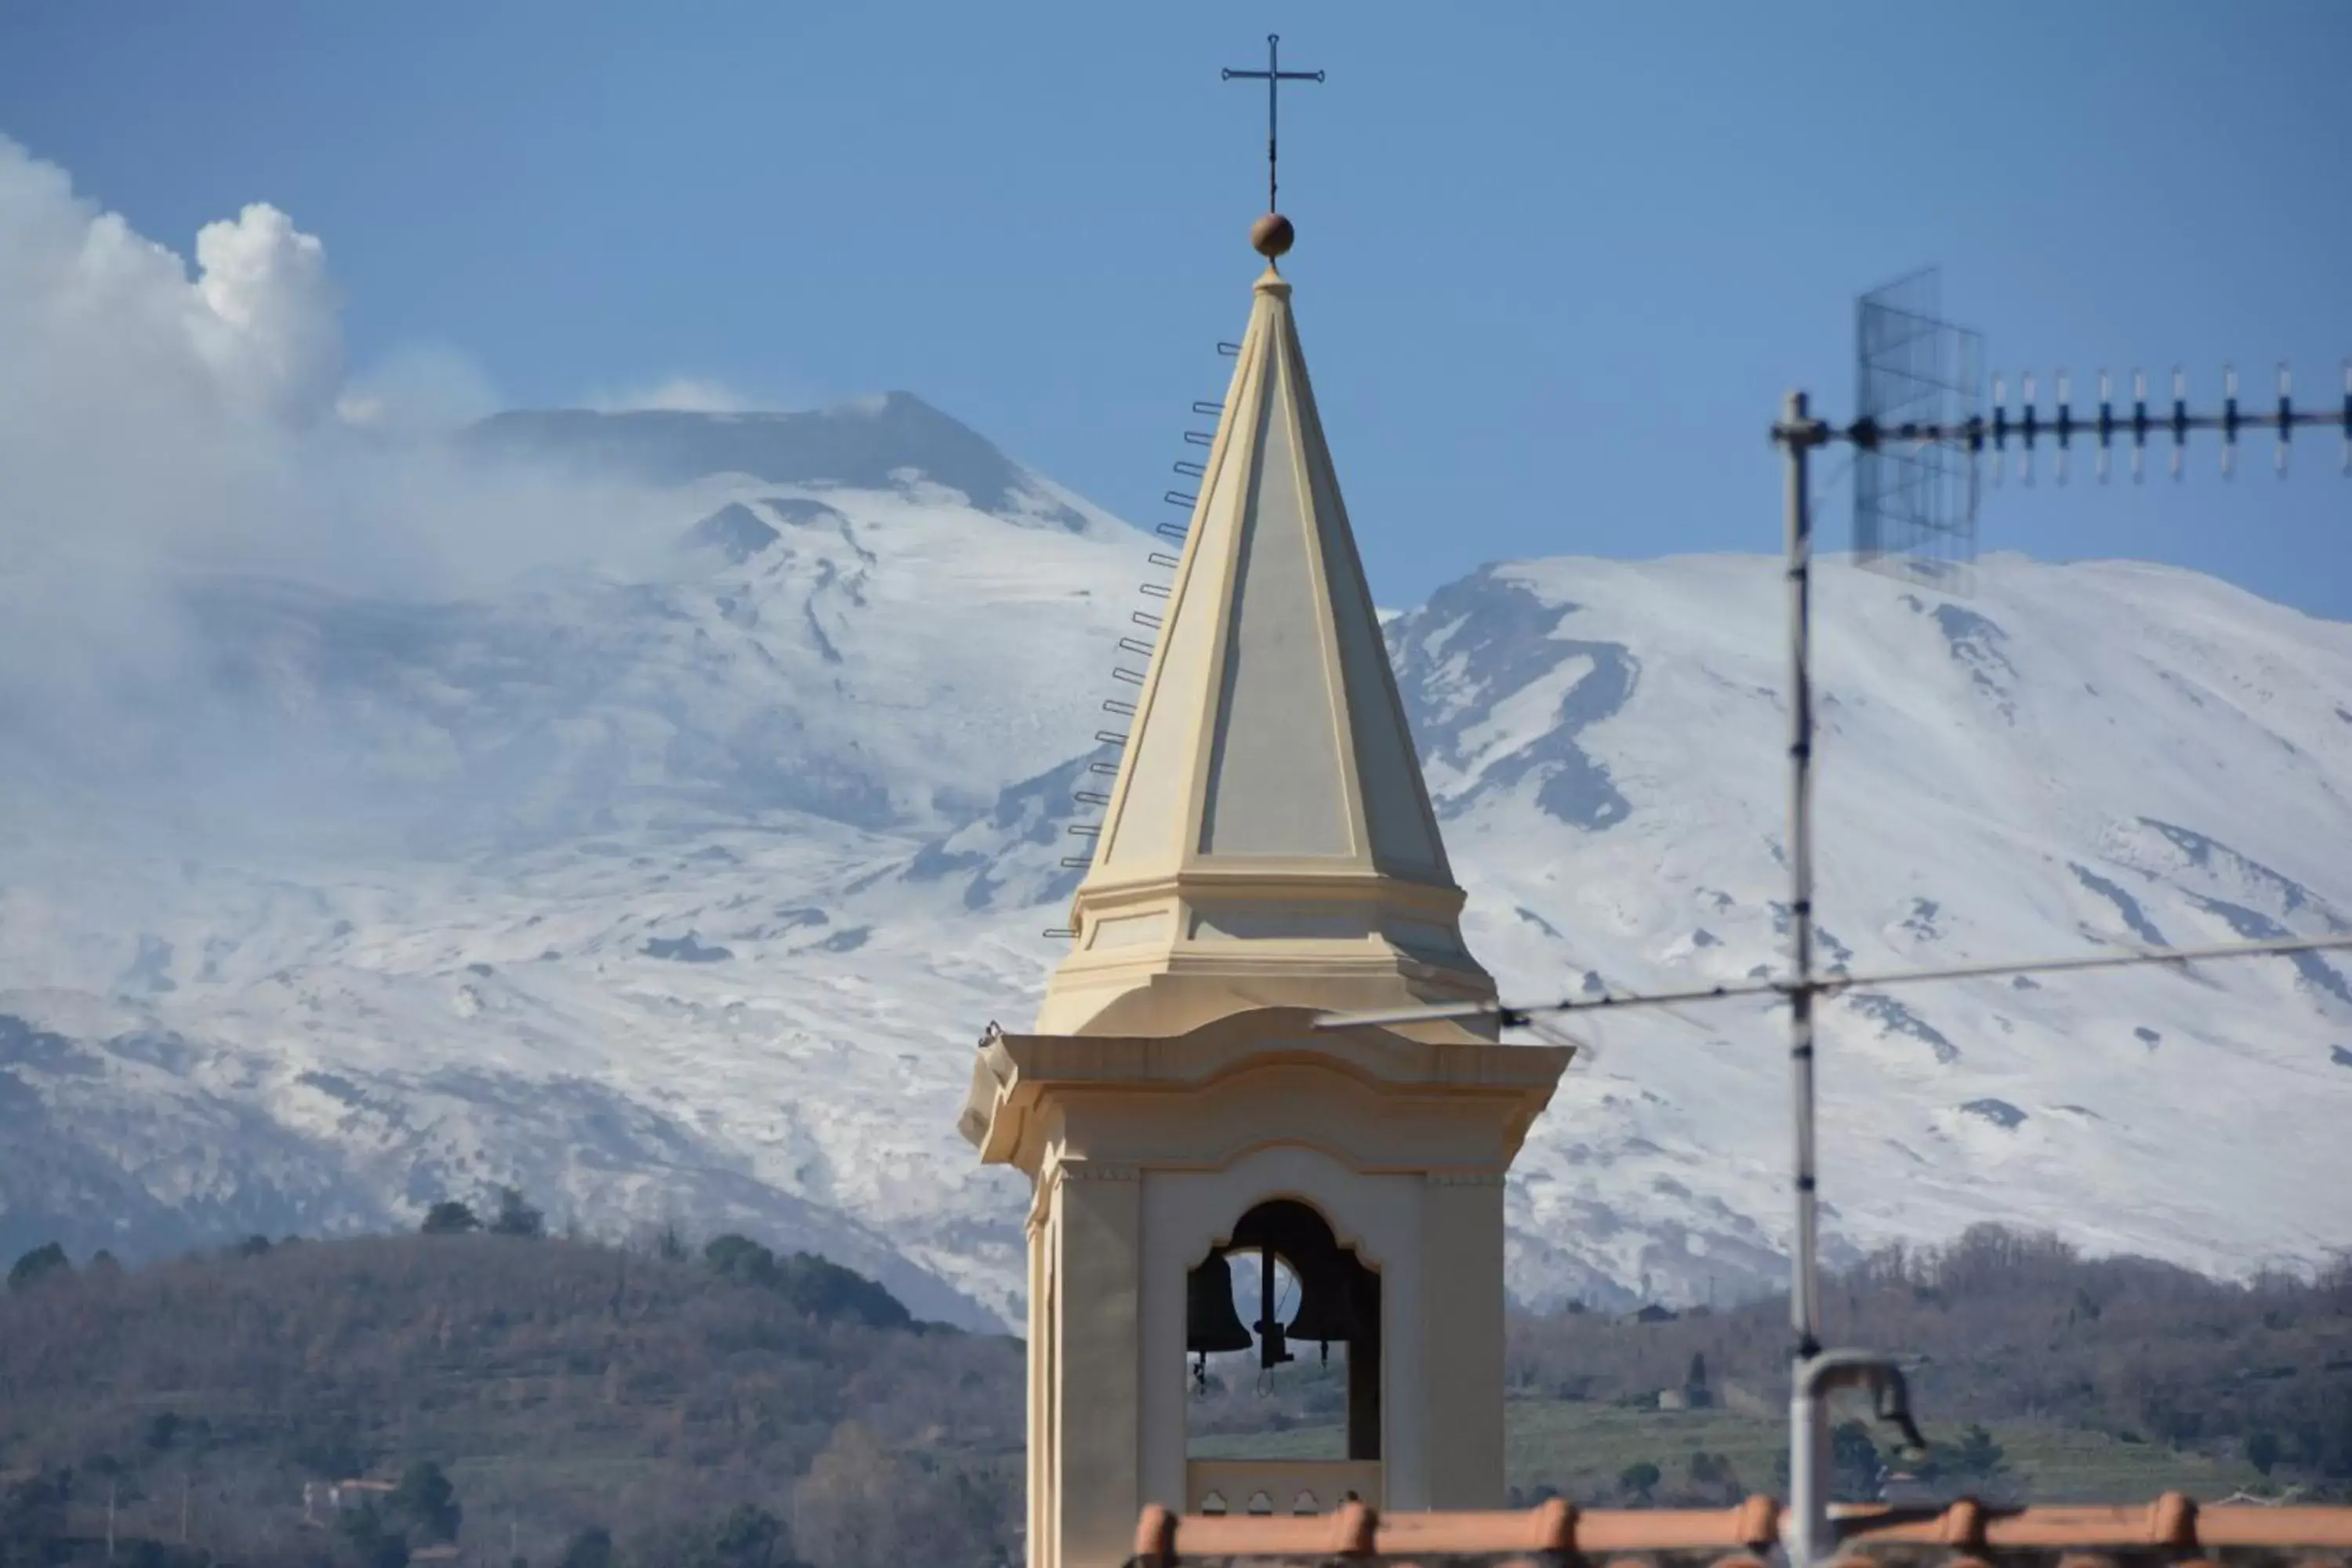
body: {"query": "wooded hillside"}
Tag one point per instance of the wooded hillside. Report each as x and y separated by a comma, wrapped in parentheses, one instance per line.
(563, 1387)
(577, 1402)
(2160, 1367)
(2005, 1326)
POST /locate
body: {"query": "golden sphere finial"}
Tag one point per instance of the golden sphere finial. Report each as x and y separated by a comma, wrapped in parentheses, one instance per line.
(1272, 236)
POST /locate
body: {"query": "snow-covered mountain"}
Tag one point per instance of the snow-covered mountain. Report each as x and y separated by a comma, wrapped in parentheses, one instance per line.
(681, 890)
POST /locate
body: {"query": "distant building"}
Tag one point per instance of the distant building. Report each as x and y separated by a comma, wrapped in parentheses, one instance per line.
(337, 1496)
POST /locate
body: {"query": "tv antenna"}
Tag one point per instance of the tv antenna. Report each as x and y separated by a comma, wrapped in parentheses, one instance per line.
(1919, 441)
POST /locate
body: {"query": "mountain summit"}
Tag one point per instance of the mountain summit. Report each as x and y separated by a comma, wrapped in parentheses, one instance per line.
(872, 443)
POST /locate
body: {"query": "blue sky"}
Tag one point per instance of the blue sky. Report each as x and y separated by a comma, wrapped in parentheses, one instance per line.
(1556, 263)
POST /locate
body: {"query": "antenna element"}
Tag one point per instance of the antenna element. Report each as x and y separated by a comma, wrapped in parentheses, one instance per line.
(1914, 497)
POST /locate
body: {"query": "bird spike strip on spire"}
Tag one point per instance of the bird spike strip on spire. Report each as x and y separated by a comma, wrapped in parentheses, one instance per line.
(1138, 647)
(1274, 76)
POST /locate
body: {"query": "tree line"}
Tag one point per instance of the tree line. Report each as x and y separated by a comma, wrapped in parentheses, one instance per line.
(2001, 1326)
(515, 1394)
(503, 1392)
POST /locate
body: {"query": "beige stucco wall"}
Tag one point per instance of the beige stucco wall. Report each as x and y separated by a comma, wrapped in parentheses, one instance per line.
(1461, 1339)
(1147, 1150)
(1108, 1384)
(1093, 1460)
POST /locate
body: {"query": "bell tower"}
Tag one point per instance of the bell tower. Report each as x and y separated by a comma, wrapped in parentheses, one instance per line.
(1269, 855)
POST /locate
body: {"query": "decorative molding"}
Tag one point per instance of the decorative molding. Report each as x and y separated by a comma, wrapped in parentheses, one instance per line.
(1461, 1179)
(1096, 1171)
(1336, 1201)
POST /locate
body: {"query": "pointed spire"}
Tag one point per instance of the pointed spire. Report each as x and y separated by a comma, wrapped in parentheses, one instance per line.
(1269, 841)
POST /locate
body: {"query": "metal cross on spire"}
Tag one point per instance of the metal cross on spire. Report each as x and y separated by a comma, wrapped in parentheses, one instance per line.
(1274, 76)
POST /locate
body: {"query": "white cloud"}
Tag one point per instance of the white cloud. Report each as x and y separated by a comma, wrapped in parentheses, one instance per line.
(127, 386)
(163, 423)
(270, 332)
(418, 391)
(92, 312)
(154, 416)
(679, 394)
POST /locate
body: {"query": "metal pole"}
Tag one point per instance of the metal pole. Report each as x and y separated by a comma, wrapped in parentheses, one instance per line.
(1804, 1314)
(1272, 113)
(1808, 1433)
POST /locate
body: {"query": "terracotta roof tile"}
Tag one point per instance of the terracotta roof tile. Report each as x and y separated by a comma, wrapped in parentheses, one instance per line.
(2172, 1531)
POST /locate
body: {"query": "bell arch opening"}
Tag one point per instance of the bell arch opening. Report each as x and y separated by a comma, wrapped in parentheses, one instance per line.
(1281, 1340)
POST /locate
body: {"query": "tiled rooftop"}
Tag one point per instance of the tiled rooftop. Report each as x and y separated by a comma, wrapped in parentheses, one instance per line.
(2173, 1530)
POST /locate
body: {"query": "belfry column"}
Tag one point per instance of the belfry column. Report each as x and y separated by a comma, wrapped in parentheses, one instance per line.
(1269, 854)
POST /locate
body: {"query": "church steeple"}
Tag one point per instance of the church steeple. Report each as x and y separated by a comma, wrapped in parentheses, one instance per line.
(1269, 841)
(1269, 854)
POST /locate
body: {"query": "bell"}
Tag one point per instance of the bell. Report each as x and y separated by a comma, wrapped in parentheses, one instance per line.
(1212, 1327)
(1323, 1314)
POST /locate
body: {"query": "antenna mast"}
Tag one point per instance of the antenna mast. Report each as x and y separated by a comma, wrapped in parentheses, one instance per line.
(1918, 438)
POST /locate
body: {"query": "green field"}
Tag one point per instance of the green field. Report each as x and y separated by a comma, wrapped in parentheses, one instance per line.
(1580, 1450)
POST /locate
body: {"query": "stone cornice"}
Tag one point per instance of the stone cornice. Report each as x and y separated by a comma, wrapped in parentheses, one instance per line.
(1017, 1078)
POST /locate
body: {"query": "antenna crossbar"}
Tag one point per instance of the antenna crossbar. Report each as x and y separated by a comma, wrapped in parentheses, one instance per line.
(1998, 430)
(2115, 422)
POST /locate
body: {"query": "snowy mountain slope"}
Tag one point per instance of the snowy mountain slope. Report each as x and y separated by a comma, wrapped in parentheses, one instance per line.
(2071, 757)
(821, 649)
(680, 889)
